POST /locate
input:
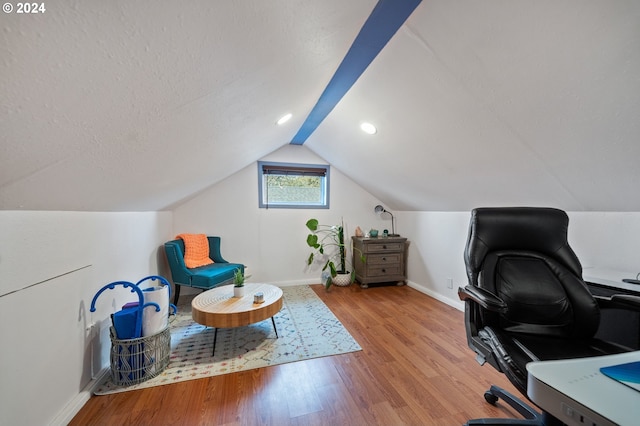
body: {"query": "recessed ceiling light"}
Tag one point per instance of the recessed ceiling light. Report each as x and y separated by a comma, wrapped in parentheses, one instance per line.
(369, 128)
(284, 119)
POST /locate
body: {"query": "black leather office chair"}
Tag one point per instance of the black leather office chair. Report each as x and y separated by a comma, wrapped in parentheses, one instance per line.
(526, 300)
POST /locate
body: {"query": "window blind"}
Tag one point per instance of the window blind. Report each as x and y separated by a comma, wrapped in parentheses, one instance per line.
(269, 169)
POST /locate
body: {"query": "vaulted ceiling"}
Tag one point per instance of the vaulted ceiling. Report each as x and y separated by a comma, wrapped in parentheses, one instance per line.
(137, 105)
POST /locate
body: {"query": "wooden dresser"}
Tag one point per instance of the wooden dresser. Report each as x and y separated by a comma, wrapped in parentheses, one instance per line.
(385, 260)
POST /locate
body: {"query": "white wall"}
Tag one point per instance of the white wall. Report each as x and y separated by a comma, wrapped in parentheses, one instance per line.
(52, 264)
(604, 240)
(437, 241)
(272, 242)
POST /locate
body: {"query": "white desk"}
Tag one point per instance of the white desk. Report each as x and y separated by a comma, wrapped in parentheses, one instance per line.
(575, 392)
(616, 325)
(610, 278)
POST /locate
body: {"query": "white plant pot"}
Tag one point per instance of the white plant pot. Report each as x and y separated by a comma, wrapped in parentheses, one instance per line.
(238, 291)
(342, 280)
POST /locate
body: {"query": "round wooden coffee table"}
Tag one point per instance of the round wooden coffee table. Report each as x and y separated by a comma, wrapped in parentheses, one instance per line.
(219, 309)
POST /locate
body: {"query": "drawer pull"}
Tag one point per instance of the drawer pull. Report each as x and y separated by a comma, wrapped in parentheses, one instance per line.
(384, 270)
(384, 259)
(384, 247)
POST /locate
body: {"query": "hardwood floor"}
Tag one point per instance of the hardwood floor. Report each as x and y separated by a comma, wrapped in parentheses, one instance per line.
(415, 369)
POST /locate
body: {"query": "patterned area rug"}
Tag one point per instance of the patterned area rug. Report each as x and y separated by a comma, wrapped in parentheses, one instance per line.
(306, 329)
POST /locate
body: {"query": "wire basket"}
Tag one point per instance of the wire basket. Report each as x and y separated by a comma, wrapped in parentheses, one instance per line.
(136, 360)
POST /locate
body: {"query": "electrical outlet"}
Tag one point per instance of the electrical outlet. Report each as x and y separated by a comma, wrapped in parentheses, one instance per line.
(449, 282)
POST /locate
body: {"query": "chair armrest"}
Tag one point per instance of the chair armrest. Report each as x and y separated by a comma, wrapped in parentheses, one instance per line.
(483, 298)
(214, 250)
(619, 301)
(179, 271)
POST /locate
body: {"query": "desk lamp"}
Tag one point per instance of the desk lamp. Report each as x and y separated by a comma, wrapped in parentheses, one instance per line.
(379, 210)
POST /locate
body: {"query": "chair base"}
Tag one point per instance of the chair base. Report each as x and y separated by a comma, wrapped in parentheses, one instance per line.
(531, 416)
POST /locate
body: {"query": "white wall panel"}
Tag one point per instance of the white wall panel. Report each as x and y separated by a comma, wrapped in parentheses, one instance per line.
(48, 356)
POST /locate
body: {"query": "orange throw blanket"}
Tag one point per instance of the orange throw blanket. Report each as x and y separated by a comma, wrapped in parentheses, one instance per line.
(196, 250)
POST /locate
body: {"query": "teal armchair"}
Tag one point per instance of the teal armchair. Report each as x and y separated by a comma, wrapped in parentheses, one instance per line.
(205, 277)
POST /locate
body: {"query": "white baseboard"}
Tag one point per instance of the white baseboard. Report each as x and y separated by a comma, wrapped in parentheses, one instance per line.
(297, 282)
(193, 291)
(458, 304)
(67, 414)
(454, 303)
(292, 283)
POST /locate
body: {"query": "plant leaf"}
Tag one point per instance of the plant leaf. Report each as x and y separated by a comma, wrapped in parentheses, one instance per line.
(312, 240)
(328, 283)
(326, 264)
(332, 267)
(310, 260)
(312, 224)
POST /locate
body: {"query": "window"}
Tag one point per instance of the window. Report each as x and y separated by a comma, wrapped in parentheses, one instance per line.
(293, 186)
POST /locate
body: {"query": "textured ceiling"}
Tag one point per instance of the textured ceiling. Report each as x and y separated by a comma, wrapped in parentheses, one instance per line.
(137, 105)
(493, 103)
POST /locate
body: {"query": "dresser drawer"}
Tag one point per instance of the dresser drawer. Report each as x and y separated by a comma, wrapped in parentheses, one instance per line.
(379, 271)
(384, 259)
(383, 247)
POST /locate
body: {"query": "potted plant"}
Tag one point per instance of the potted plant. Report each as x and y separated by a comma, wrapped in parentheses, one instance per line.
(238, 283)
(328, 242)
